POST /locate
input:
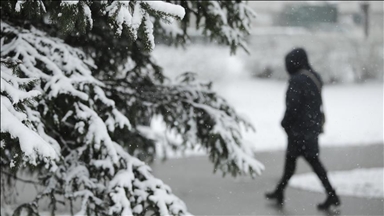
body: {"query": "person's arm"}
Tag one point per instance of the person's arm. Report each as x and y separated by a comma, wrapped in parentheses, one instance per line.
(293, 103)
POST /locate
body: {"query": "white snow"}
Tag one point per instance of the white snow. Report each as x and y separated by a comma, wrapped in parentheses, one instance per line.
(18, 5)
(137, 17)
(31, 143)
(359, 182)
(69, 3)
(97, 133)
(168, 8)
(122, 204)
(148, 29)
(216, 9)
(87, 14)
(124, 16)
(354, 112)
(29, 44)
(12, 119)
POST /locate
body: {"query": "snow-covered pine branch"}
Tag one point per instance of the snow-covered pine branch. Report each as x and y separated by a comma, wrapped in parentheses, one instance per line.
(231, 23)
(224, 22)
(39, 6)
(211, 122)
(133, 14)
(123, 15)
(94, 167)
(193, 112)
(20, 121)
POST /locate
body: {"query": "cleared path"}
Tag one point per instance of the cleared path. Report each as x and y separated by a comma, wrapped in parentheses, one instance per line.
(206, 193)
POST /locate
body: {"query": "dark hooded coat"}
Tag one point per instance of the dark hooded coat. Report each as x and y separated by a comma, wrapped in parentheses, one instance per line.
(303, 116)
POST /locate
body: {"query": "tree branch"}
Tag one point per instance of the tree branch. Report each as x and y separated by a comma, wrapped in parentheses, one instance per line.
(20, 179)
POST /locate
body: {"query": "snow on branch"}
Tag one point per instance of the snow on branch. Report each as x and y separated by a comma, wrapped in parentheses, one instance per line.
(147, 190)
(19, 5)
(97, 133)
(69, 3)
(167, 8)
(39, 3)
(95, 168)
(129, 15)
(224, 22)
(132, 17)
(235, 24)
(13, 120)
(194, 115)
(69, 73)
(65, 70)
(228, 130)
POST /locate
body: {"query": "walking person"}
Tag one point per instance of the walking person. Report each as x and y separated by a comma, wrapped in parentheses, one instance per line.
(303, 123)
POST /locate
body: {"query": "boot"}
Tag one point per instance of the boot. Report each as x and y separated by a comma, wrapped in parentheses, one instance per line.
(278, 195)
(332, 199)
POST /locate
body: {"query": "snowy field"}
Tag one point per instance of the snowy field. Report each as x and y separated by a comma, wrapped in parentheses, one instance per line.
(354, 112)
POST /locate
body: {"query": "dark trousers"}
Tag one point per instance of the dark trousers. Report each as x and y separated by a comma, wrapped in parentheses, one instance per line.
(309, 150)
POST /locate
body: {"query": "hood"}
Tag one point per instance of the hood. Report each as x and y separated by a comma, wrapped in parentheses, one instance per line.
(296, 60)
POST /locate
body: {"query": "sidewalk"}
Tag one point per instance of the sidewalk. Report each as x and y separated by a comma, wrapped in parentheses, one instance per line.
(206, 193)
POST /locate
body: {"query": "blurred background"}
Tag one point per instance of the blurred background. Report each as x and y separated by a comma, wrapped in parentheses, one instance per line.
(344, 41)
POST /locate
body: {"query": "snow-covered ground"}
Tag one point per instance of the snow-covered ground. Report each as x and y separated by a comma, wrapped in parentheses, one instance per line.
(358, 183)
(354, 112)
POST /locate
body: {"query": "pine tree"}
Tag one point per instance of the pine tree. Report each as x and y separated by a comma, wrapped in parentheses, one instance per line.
(96, 87)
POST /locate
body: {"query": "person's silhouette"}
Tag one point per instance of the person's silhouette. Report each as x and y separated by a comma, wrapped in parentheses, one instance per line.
(303, 122)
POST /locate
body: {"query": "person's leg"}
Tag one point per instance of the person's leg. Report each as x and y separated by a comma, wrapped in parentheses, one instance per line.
(289, 170)
(290, 162)
(320, 171)
(318, 168)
